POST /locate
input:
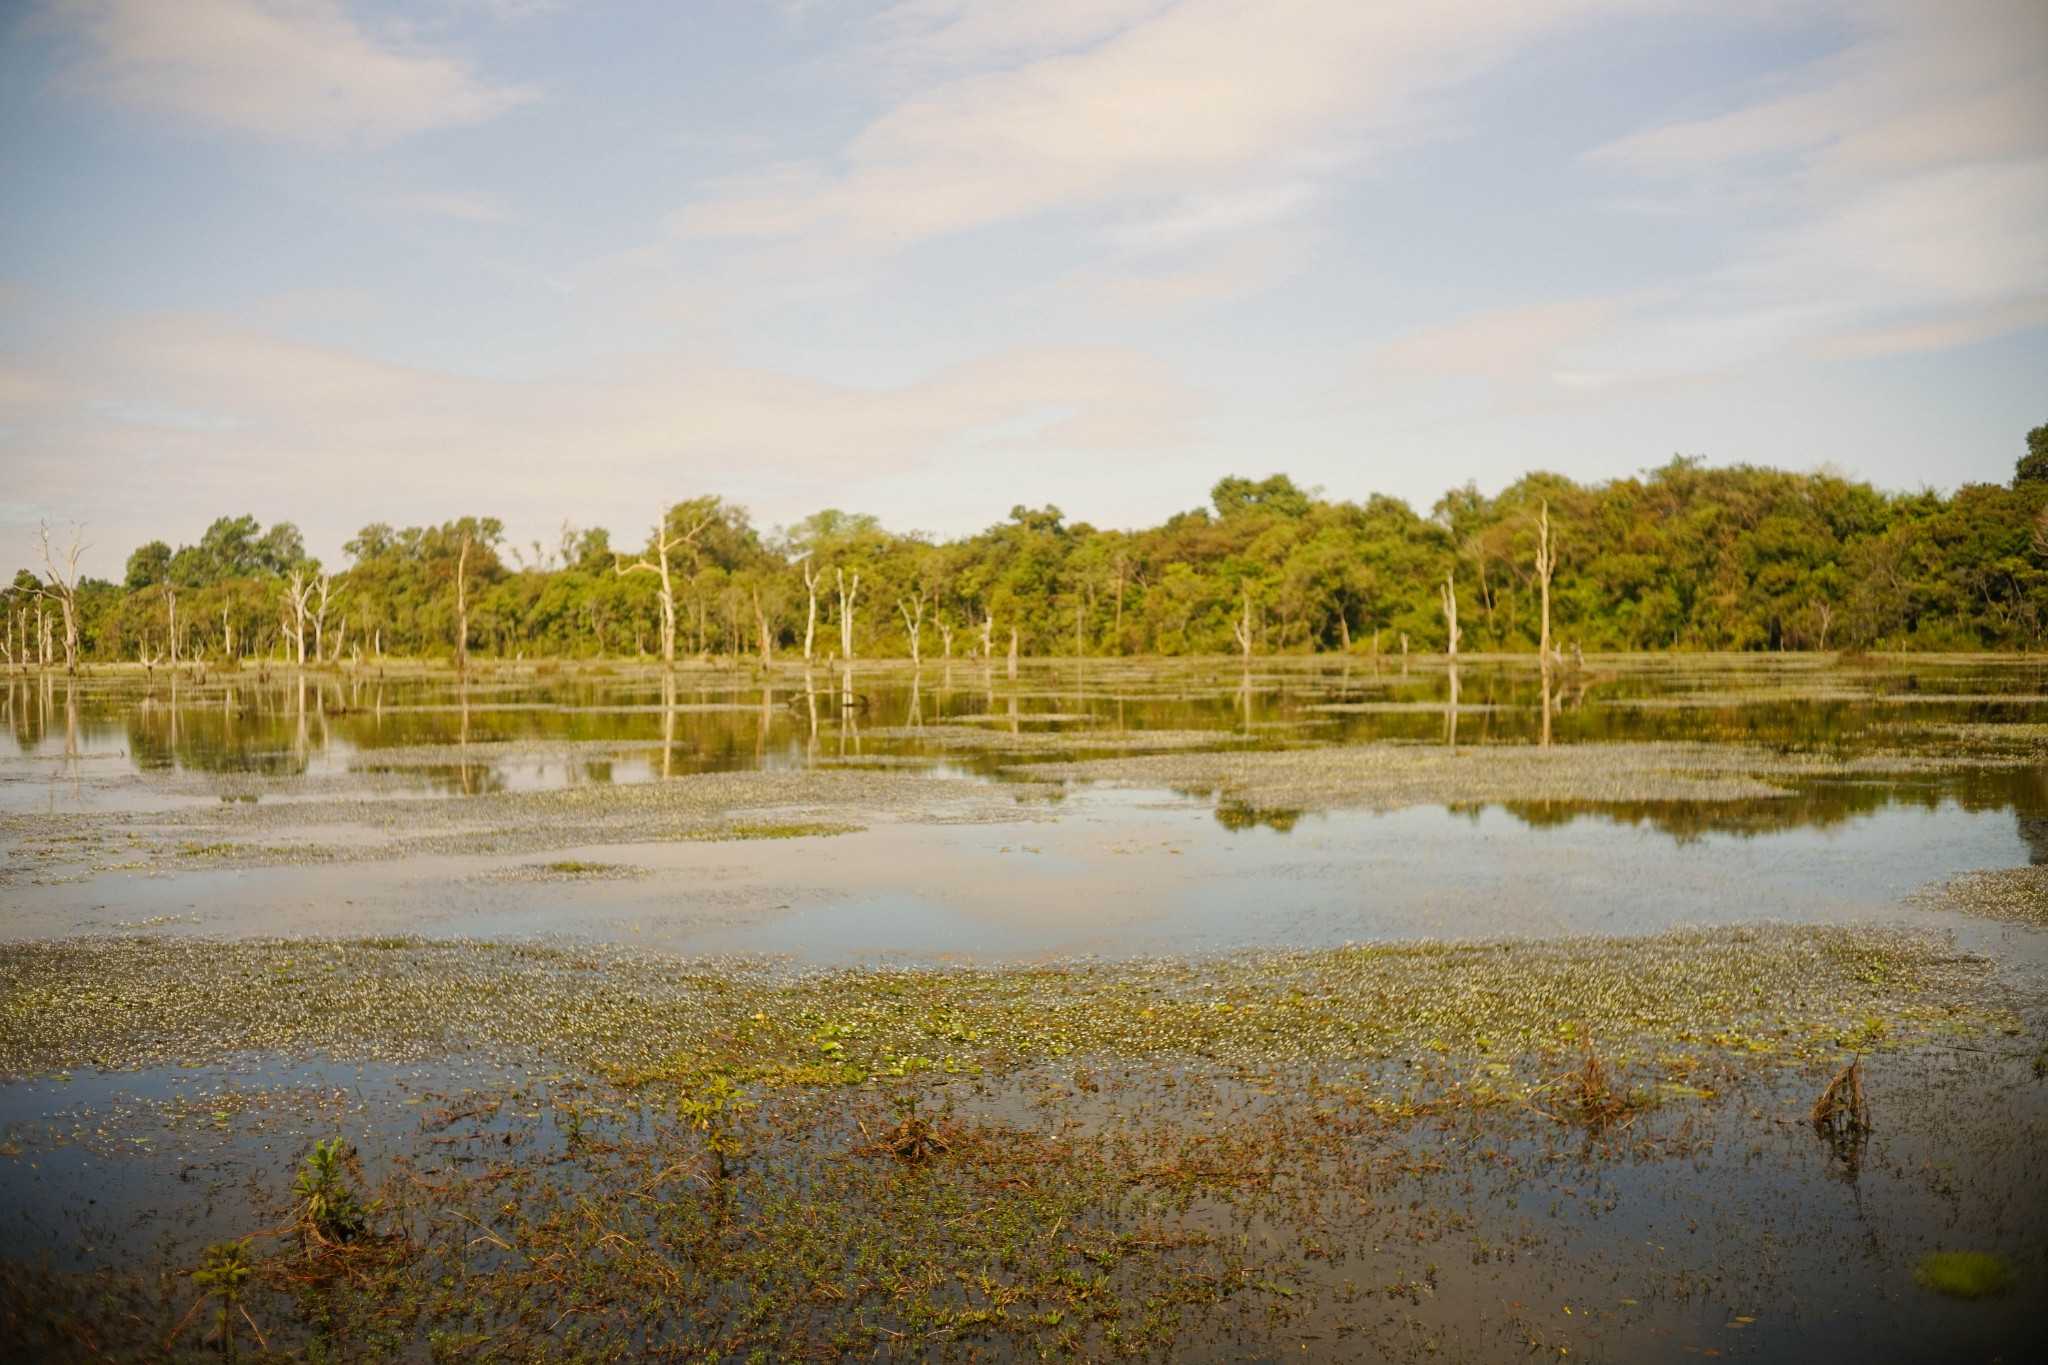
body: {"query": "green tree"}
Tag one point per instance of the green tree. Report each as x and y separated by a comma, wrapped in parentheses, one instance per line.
(2033, 466)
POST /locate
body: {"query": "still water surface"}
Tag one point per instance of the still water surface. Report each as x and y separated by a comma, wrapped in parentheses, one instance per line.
(1095, 869)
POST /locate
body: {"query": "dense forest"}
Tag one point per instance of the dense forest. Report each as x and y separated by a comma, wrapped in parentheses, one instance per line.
(1684, 557)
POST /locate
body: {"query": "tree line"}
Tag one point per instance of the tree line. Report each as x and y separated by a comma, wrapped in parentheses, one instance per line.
(1682, 557)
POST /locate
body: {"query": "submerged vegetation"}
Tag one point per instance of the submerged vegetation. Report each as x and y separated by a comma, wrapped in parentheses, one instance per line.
(626, 1156)
(1683, 557)
(1765, 991)
(2018, 894)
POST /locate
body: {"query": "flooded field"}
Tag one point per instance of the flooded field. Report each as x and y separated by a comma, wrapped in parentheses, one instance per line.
(1167, 1010)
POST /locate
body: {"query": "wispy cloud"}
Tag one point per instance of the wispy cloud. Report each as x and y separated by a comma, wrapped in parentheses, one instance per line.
(1047, 106)
(284, 70)
(1899, 184)
(1888, 198)
(329, 433)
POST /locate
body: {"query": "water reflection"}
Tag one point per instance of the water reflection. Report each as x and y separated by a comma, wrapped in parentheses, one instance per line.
(495, 728)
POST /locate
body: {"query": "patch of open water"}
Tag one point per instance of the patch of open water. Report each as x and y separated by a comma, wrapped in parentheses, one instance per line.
(1102, 871)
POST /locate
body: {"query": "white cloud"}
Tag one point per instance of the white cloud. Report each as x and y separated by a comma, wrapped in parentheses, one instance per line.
(1134, 104)
(336, 439)
(286, 70)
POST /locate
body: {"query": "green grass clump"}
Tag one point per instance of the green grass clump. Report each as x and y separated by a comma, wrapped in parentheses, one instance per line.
(1965, 1274)
(776, 830)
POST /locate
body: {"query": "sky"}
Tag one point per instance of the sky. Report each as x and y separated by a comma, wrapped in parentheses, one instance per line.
(345, 261)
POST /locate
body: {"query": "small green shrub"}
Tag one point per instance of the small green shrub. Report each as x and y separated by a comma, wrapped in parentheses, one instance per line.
(329, 1207)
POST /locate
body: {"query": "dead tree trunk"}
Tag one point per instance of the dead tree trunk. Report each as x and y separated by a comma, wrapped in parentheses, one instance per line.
(325, 587)
(667, 539)
(1118, 636)
(63, 585)
(811, 576)
(1242, 627)
(462, 608)
(297, 592)
(847, 597)
(1449, 593)
(913, 623)
(766, 638)
(1546, 564)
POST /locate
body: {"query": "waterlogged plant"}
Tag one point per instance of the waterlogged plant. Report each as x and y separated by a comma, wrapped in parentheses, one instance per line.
(712, 1108)
(573, 1121)
(224, 1268)
(1591, 1093)
(330, 1210)
(1841, 1110)
(915, 1139)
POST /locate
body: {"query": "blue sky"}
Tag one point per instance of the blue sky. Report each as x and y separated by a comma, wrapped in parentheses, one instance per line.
(334, 261)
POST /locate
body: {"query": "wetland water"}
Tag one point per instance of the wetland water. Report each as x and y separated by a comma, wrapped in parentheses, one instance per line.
(1173, 961)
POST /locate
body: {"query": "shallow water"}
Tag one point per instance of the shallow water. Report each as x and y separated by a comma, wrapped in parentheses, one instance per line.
(1075, 868)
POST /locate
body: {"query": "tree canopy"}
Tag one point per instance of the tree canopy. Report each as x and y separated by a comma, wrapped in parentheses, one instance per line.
(1680, 557)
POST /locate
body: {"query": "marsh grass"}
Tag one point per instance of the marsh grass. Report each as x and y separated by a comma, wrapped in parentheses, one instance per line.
(1591, 1095)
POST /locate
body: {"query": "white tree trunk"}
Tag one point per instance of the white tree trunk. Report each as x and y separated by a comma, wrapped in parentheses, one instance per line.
(847, 597)
(1449, 593)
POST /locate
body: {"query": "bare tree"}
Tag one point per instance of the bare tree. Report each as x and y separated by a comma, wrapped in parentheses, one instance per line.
(945, 629)
(63, 584)
(812, 573)
(1242, 627)
(325, 587)
(1546, 565)
(1449, 593)
(846, 600)
(667, 539)
(297, 593)
(765, 637)
(1117, 634)
(462, 612)
(171, 607)
(913, 622)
